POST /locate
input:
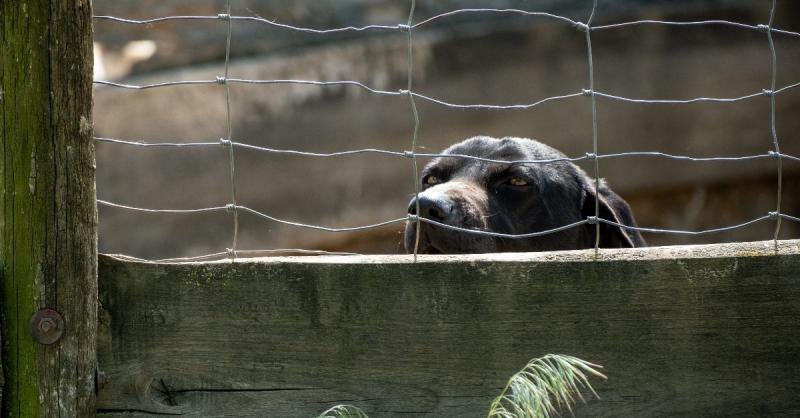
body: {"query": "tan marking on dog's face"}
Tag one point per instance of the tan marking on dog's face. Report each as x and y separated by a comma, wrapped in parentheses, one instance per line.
(471, 199)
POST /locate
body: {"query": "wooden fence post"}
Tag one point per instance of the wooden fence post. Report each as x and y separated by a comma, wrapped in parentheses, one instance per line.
(48, 216)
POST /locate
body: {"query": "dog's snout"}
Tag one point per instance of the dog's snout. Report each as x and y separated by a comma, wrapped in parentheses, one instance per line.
(433, 208)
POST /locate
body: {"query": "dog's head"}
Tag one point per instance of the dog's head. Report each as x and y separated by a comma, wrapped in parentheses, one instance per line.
(512, 199)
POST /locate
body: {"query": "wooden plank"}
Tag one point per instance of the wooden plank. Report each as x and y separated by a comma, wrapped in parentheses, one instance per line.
(706, 331)
(2, 374)
(48, 221)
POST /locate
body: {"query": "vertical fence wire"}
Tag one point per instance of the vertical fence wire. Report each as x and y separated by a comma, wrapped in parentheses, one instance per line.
(231, 160)
(588, 29)
(773, 128)
(415, 133)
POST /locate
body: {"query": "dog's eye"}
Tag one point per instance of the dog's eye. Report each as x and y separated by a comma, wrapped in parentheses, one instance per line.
(431, 180)
(516, 181)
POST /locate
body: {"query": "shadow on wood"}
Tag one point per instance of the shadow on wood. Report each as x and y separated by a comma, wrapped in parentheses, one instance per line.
(706, 331)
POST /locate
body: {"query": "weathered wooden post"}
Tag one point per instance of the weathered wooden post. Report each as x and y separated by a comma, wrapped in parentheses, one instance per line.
(48, 217)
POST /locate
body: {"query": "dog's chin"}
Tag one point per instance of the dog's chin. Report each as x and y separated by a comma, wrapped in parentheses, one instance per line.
(425, 245)
(433, 241)
(430, 249)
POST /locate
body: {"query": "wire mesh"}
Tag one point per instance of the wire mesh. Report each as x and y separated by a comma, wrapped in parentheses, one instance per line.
(408, 27)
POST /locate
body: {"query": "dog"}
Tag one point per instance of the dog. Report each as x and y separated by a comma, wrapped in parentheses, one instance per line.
(518, 198)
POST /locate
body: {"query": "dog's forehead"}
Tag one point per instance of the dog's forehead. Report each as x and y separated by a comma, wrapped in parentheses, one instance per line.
(505, 149)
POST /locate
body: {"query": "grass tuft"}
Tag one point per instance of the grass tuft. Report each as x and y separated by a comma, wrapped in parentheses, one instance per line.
(343, 411)
(544, 387)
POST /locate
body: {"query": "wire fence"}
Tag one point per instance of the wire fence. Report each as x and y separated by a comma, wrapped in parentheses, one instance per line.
(409, 27)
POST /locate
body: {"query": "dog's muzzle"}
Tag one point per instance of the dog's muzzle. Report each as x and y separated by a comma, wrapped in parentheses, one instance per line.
(436, 208)
(454, 203)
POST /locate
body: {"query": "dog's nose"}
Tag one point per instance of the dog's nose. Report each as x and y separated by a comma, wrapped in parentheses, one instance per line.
(436, 209)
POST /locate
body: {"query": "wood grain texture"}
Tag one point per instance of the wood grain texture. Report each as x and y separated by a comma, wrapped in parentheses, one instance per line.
(711, 331)
(2, 374)
(48, 223)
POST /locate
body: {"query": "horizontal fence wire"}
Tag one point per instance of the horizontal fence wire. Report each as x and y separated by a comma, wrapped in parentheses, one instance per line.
(525, 106)
(413, 218)
(239, 253)
(405, 27)
(408, 154)
(235, 208)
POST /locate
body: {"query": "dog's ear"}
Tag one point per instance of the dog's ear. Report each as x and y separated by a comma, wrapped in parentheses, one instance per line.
(615, 209)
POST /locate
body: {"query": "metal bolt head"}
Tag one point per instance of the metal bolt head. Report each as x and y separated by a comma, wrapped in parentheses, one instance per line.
(47, 326)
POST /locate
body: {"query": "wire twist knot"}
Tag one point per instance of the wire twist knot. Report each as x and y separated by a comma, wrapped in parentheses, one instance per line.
(225, 142)
(591, 220)
(403, 27)
(768, 92)
(773, 215)
(231, 207)
(224, 16)
(587, 92)
(404, 92)
(764, 28)
(591, 155)
(409, 154)
(221, 80)
(412, 217)
(581, 26)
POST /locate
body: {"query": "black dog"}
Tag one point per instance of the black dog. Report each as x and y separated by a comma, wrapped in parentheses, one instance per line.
(513, 199)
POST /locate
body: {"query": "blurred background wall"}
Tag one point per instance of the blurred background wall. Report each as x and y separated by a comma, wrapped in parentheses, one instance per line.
(468, 59)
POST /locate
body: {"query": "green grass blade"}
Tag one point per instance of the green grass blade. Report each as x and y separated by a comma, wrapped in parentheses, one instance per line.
(544, 387)
(343, 411)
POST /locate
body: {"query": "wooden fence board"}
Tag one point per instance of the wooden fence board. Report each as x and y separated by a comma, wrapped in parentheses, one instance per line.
(706, 331)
